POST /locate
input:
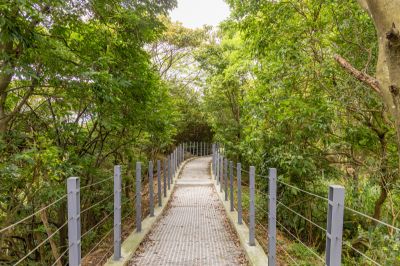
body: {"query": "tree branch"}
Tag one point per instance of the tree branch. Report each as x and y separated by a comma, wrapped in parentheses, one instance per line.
(361, 76)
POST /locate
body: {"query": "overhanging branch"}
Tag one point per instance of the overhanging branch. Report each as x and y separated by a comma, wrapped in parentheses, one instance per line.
(361, 76)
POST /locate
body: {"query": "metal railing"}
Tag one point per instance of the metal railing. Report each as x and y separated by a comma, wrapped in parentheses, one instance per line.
(165, 173)
(334, 217)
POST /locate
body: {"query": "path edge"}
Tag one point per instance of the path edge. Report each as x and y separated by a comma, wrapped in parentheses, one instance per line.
(254, 254)
(133, 241)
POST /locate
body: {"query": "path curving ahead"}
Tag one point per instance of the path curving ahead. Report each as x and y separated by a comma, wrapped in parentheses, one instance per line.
(194, 230)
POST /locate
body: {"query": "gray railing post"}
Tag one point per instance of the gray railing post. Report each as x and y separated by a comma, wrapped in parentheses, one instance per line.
(74, 221)
(226, 178)
(159, 183)
(169, 172)
(117, 212)
(217, 166)
(213, 159)
(138, 197)
(151, 188)
(179, 154)
(221, 174)
(231, 185)
(165, 174)
(173, 165)
(174, 161)
(252, 214)
(334, 228)
(239, 195)
(272, 217)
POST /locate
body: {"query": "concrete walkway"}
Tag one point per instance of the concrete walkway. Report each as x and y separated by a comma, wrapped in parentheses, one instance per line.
(194, 230)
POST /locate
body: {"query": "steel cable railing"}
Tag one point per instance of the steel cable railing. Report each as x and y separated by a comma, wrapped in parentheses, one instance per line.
(279, 203)
(97, 203)
(41, 244)
(362, 254)
(104, 237)
(73, 195)
(98, 224)
(32, 215)
(301, 242)
(97, 183)
(302, 190)
(287, 253)
(259, 208)
(60, 257)
(58, 229)
(298, 214)
(373, 219)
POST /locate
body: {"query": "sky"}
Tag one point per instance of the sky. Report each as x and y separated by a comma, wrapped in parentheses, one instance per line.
(196, 13)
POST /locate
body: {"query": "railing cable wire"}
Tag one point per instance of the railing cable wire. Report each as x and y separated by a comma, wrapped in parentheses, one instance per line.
(287, 253)
(98, 224)
(59, 258)
(295, 237)
(30, 216)
(41, 244)
(97, 203)
(105, 236)
(99, 182)
(305, 218)
(373, 219)
(302, 190)
(362, 254)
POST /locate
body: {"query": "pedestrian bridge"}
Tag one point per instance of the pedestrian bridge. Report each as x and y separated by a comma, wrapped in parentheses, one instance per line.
(195, 207)
(193, 229)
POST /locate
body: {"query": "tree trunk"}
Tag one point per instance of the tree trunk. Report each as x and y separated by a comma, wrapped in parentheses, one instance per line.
(383, 180)
(385, 14)
(54, 250)
(386, 17)
(380, 201)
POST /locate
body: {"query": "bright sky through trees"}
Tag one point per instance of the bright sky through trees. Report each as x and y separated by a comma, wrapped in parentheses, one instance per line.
(196, 13)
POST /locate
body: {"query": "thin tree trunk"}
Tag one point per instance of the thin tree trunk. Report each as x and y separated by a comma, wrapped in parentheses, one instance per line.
(54, 250)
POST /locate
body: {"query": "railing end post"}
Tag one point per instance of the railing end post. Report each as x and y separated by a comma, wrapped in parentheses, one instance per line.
(334, 228)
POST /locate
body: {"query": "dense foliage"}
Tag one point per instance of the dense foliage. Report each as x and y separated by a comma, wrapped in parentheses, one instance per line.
(276, 97)
(85, 85)
(78, 93)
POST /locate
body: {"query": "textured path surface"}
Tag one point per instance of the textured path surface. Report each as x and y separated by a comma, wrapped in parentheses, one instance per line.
(194, 230)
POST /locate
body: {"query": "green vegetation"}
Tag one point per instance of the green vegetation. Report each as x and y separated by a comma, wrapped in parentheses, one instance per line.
(276, 97)
(288, 84)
